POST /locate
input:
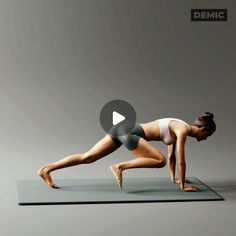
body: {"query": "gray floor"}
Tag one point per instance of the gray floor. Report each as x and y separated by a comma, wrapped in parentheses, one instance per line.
(201, 218)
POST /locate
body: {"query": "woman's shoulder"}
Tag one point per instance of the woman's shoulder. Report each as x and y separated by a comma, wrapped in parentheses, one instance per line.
(182, 125)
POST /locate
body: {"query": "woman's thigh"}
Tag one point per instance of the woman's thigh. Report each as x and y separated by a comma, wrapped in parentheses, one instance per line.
(145, 149)
(102, 148)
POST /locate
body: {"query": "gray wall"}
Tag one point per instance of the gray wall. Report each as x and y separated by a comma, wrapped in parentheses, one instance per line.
(61, 61)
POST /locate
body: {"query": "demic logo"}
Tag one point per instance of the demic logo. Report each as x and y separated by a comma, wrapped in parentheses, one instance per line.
(209, 15)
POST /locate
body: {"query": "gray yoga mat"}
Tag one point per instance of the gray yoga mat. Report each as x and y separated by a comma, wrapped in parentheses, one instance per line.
(87, 191)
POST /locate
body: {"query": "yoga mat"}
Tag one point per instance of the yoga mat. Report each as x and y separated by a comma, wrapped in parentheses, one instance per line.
(87, 191)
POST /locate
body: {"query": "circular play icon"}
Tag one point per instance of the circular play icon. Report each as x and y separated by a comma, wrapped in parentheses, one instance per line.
(117, 117)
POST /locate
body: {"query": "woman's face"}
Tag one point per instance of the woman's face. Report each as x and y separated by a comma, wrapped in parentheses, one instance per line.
(202, 134)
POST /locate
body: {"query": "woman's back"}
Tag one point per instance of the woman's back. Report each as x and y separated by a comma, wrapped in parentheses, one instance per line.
(159, 130)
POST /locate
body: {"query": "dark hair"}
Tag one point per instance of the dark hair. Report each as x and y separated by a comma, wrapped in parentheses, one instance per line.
(206, 120)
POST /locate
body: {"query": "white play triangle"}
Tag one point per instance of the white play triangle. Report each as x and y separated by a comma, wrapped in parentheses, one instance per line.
(117, 118)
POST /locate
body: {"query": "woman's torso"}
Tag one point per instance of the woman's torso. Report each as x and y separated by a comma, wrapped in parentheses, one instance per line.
(159, 130)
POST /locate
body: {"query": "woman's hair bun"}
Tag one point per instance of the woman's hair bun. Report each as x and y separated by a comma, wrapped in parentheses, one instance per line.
(206, 120)
(208, 115)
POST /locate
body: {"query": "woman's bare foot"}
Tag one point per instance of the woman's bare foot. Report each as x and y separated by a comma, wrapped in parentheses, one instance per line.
(44, 174)
(118, 174)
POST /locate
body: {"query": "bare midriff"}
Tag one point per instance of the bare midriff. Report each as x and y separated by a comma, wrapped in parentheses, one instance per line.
(152, 130)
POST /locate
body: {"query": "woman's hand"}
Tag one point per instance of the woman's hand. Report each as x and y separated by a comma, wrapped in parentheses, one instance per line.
(178, 181)
(190, 188)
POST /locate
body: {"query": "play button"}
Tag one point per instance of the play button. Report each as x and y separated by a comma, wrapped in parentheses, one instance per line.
(117, 117)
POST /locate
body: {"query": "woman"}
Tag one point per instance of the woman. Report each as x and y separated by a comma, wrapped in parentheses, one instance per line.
(173, 132)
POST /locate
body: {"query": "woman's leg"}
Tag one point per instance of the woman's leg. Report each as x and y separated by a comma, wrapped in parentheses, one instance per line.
(102, 148)
(148, 157)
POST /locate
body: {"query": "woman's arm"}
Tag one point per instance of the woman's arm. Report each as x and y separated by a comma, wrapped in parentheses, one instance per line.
(172, 164)
(171, 161)
(180, 143)
(181, 158)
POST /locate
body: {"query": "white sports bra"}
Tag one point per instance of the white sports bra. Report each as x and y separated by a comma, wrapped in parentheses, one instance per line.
(165, 132)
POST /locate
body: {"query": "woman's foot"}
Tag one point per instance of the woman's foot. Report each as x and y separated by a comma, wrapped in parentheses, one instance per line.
(118, 174)
(44, 174)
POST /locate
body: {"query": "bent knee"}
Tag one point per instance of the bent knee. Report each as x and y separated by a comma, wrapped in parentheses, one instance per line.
(162, 162)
